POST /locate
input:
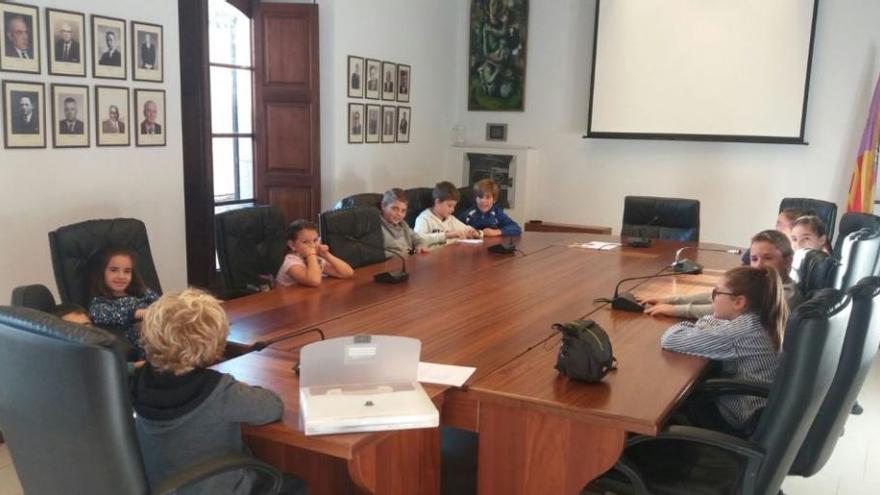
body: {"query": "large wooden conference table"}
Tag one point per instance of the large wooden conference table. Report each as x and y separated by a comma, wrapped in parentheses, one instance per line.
(538, 432)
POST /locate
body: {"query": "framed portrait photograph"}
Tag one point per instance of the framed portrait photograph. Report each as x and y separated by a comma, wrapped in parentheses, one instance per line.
(24, 124)
(66, 42)
(356, 123)
(149, 105)
(70, 116)
(373, 72)
(147, 52)
(355, 77)
(389, 81)
(20, 32)
(404, 82)
(111, 116)
(108, 47)
(496, 132)
(404, 124)
(374, 127)
(389, 123)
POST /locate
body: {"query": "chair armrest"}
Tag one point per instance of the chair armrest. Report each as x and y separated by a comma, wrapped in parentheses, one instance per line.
(218, 465)
(723, 441)
(721, 386)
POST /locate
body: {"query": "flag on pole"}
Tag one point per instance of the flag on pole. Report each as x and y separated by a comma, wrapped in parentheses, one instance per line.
(864, 176)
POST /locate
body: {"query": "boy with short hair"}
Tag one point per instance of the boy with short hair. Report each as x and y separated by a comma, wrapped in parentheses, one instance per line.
(438, 223)
(488, 217)
(187, 413)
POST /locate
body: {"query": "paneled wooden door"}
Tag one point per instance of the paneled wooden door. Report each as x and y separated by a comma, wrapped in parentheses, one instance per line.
(287, 158)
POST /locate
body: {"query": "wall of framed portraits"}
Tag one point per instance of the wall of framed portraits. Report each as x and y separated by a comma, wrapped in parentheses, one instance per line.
(91, 128)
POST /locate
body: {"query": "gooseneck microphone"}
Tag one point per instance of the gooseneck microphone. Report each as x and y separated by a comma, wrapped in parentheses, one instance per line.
(385, 277)
(684, 265)
(627, 301)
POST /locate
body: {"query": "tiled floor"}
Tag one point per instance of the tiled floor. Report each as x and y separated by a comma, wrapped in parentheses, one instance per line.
(854, 469)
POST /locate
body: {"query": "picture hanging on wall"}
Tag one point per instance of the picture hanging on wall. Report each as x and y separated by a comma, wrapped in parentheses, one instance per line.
(108, 47)
(355, 122)
(374, 127)
(355, 77)
(389, 123)
(111, 116)
(23, 114)
(147, 52)
(389, 81)
(373, 71)
(66, 42)
(497, 55)
(149, 106)
(70, 116)
(404, 124)
(20, 32)
(404, 82)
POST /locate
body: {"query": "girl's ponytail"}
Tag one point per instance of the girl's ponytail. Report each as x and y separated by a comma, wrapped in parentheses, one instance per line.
(765, 294)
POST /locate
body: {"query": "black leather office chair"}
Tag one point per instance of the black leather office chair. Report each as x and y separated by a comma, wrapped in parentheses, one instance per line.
(36, 296)
(859, 351)
(825, 210)
(361, 199)
(362, 223)
(251, 243)
(661, 218)
(466, 202)
(858, 257)
(851, 222)
(688, 460)
(73, 248)
(817, 271)
(418, 198)
(66, 414)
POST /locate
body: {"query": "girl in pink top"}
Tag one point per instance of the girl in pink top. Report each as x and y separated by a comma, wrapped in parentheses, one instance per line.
(308, 259)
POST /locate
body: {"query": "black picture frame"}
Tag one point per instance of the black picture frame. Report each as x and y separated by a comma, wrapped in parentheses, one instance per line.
(70, 68)
(27, 139)
(141, 137)
(109, 70)
(404, 90)
(140, 68)
(389, 118)
(404, 124)
(60, 139)
(106, 138)
(353, 137)
(9, 62)
(355, 90)
(389, 68)
(373, 132)
(496, 132)
(376, 92)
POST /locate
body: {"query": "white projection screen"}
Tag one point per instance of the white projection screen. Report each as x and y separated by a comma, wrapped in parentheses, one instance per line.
(713, 70)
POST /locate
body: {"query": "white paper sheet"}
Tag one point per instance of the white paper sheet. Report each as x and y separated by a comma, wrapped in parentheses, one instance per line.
(470, 241)
(444, 374)
(597, 245)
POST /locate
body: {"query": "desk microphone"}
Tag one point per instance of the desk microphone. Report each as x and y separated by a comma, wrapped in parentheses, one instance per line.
(627, 301)
(506, 247)
(385, 277)
(684, 265)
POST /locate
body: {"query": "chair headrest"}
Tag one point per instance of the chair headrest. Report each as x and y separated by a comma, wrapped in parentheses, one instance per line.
(40, 323)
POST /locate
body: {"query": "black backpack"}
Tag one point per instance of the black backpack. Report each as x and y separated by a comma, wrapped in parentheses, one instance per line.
(586, 351)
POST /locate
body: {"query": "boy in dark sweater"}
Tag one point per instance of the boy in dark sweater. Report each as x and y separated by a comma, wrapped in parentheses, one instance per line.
(186, 413)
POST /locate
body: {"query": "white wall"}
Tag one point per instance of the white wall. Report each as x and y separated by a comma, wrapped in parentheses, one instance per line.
(739, 185)
(421, 33)
(41, 190)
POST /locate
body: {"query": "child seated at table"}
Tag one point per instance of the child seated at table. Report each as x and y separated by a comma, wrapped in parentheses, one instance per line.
(397, 235)
(743, 334)
(487, 216)
(769, 248)
(437, 223)
(308, 260)
(807, 232)
(187, 413)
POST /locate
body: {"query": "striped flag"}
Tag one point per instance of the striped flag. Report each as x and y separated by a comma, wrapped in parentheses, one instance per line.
(864, 176)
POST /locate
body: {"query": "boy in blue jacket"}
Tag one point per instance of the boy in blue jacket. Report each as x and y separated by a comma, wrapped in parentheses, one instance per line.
(487, 216)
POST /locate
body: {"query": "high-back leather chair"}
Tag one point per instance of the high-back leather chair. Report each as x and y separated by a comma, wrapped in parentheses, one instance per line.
(251, 243)
(859, 351)
(36, 296)
(851, 222)
(418, 198)
(825, 210)
(858, 257)
(74, 248)
(66, 414)
(362, 223)
(360, 199)
(466, 202)
(687, 460)
(661, 218)
(817, 271)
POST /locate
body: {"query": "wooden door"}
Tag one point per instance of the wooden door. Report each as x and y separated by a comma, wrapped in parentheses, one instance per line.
(287, 158)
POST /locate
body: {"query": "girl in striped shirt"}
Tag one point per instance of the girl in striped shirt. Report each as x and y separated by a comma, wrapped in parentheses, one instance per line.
(744, 335)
